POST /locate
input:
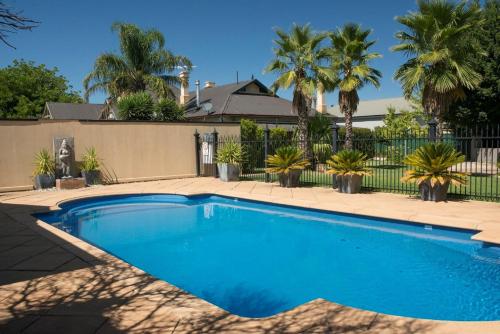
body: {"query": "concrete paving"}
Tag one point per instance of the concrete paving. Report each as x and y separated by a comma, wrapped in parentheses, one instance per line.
(52, 282)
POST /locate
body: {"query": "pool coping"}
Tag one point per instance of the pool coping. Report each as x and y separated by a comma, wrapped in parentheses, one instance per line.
(90, 253)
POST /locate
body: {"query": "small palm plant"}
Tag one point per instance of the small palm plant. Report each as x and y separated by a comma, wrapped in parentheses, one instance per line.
(432, 173)
(44, 172)
(90, 167)
(349, 167)
(288, 162)
(229, 157)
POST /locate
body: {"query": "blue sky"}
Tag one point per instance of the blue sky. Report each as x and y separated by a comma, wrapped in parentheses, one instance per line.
(220, 37)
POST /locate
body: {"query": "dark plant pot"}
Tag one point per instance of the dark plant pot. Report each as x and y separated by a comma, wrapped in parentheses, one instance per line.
(437, 193)
(290, 180)
(91, 177)
(229, 172)
(44, 181)
(349, 184)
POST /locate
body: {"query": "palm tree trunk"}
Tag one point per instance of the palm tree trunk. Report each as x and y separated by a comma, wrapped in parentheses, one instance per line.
(299, 107)
(436, 105)
(348, 102)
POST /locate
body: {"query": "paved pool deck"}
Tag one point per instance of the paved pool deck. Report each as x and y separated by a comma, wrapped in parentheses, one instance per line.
(52, 282)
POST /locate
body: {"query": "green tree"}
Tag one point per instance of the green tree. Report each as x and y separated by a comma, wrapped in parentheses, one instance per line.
(298, 61)
(437, 40)
(136, 106)
(26, 87)
(168, 110)
(143, 65)
(401, 123)
(350, 60)
(481, 105)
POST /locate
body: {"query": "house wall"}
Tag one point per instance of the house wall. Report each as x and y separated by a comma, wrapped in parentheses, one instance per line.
(132, 151)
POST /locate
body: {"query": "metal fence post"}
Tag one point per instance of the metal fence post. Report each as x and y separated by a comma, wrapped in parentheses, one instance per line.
(197, 151)
(433, 130)
(266, 151)
(335, 148)
(215, 138)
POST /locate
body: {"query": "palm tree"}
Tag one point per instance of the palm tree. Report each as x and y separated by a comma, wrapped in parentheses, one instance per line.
(298, 61)
(436, 40)
(350, 60)
(143, 65)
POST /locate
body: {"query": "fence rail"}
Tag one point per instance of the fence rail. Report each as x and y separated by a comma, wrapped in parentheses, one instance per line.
(385, 150)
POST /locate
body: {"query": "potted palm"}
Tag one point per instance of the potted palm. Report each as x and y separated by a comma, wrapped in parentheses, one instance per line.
(432, 173)
(90, 167)
(349, 167)
(229, 157)
(288, 162)
(44, 173)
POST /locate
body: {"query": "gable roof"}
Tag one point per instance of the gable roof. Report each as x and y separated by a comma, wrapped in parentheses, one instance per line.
(233, 99)
(375, 107)
(74, 111)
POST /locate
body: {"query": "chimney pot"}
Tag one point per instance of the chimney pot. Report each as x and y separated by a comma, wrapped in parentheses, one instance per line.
(209, 84)
(184, 96)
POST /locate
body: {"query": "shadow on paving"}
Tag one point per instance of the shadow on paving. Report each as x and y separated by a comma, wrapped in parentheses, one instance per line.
(48, 285)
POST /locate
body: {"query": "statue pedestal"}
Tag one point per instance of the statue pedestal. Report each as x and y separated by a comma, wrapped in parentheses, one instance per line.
(70, 183)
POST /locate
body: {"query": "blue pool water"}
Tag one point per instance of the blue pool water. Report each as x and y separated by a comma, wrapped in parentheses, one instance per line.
(255, 259)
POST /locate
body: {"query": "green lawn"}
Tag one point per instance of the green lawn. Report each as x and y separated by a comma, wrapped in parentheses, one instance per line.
(387, 178)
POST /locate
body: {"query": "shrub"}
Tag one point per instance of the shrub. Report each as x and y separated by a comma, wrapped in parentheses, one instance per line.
(278, 135)
(44, 163)
(363, 140)
(90, 161)
(168, 110)
(395, 154)
(285, 159)
(230, 153)
(432, 164)
(137, 106)
(348, 162)
(322, 152)
(252, 137)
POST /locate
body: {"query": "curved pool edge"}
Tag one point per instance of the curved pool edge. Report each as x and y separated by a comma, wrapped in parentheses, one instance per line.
(479, 234)
(315, 310)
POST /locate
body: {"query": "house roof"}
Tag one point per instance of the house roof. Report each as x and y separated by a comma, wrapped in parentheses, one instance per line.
(235, 99)
(375, 107)
(75, 111)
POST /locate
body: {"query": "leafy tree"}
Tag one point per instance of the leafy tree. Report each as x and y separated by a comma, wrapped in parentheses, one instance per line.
(437, 40)
(298, 62)
(143, 65)
(168, 110)
(26, 87)
(481, 105)
(11, 22)
(136, 106)
(279, 135)
(350, 60)
(402, 123)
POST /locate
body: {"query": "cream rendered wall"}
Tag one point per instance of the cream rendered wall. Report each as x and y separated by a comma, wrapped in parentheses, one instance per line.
(133, 151)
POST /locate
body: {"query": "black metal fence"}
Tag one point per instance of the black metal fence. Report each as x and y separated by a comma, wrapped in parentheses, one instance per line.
(385, 150)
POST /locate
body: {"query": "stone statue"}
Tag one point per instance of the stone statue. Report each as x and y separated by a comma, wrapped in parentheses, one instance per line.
(65, 154)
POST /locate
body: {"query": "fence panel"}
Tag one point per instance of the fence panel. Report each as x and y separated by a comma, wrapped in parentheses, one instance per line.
(385, 150)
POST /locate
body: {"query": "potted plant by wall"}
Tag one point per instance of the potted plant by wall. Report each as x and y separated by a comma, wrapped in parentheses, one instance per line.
(229, 157)
(432, 170)
(44, 173)
(288, 162)
(349, 167)
(90, 167)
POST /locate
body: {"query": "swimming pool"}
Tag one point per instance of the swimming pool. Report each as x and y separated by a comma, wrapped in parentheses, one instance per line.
(257, 259)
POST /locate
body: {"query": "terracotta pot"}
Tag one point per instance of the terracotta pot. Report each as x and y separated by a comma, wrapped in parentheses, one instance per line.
(437, 193)
(290, 180)
(349, 184)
